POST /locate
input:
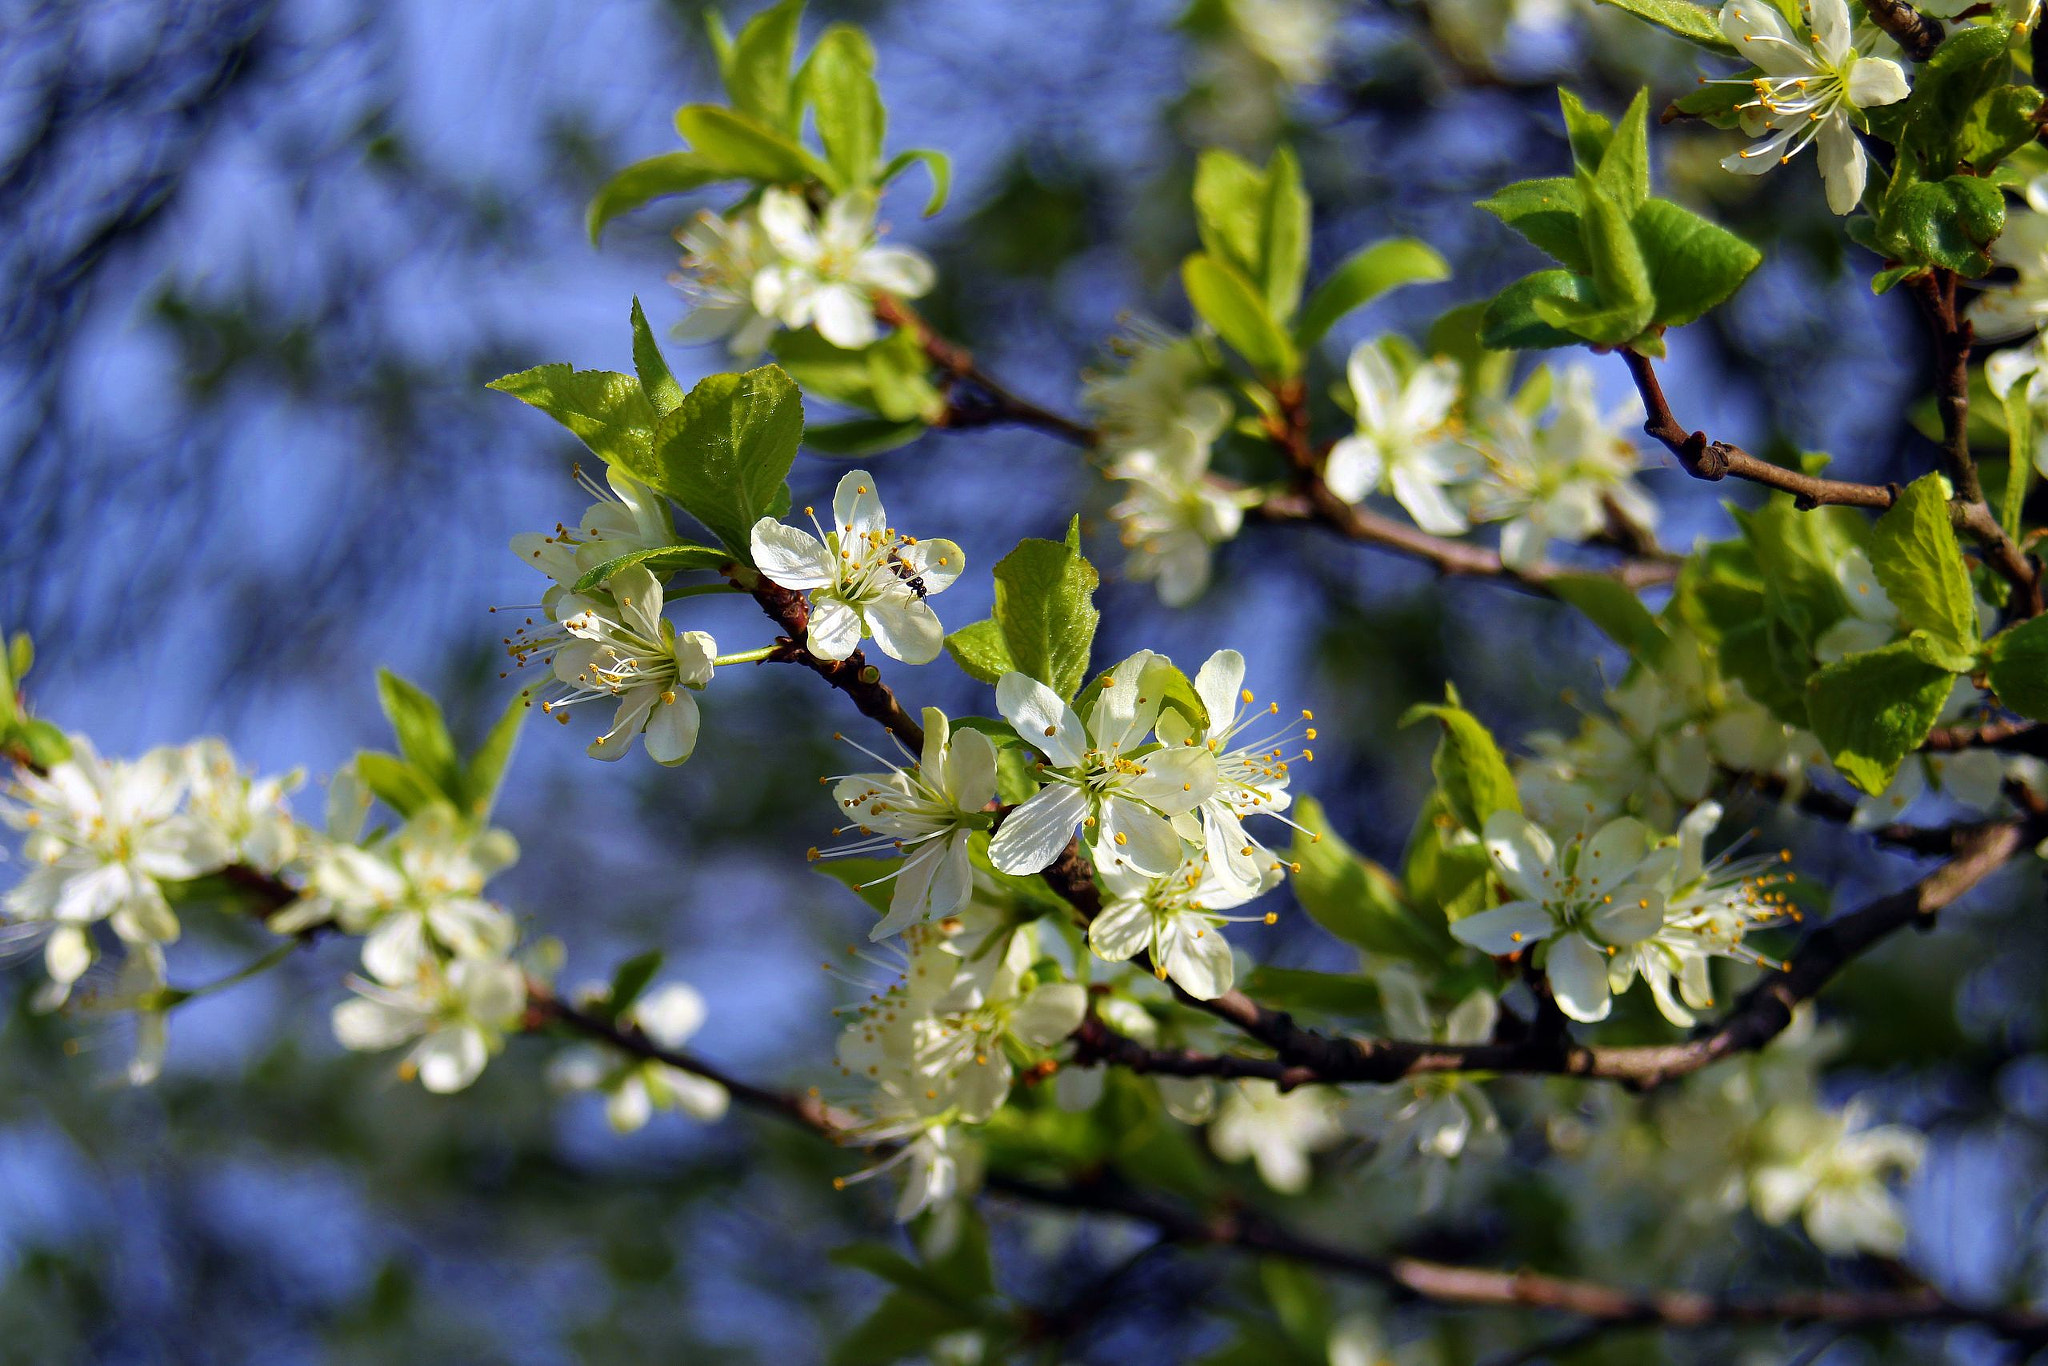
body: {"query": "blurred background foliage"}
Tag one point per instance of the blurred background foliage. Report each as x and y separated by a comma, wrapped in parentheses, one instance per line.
(260, 258)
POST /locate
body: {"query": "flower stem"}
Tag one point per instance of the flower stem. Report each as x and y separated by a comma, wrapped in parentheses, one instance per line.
(745, 657)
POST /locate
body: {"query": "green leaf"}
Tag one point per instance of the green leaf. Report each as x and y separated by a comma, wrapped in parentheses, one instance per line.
(1344, 995)
(1364, 276)
(724, 455)
(1870, 710)
(422, 733)
(1354, 898)
(1913, 552)
(744, 148)
(980, 651)
(1587, 130)
(21, 657)
(645, 181)
(1511, 322)
(2019, 668)
(1283, 261)
(1697, 24)
(891, 377)
(630, 980)
(486, 771)
(47, 746)
(397, 783)
(757, 73)
(1257, 221)
(861, 436)
(936, 164)
(607, 411)
(1230, 304)
(660, 560)
(1468, 764)
(1617, 611)
(1999, 124)
(1547, 213)
(1693, 264)
(2019, 426)
(1624, 173)
(1953, 222)
(1045, 609)
(839, 81)
(657, 382)
(1970, 63)
(904, 1325)
(1621, 279)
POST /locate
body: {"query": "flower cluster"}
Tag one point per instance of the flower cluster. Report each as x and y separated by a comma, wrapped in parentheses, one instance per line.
(104, 838)
(1563, 480)
(1623, 903)
(776, 263)
(1158, 418)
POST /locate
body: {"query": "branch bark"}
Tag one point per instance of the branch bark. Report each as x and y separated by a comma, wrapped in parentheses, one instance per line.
(1915, 32)
(1717, 460)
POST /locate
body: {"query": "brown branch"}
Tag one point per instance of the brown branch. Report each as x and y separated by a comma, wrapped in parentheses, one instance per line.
(1444, 1283)
(975, 398)
(1914, 31)
(1249, 1231)
(2015, 736)
(1716, 460)
(1935, 293)
(852, 675)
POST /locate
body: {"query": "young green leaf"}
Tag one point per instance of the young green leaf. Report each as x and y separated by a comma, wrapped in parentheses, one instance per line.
(645, 181)
(1624, 173)
(838, 80)
(486, 771)
(657, 382)
(1354, 898)
(1512, 323)
(1697, 24)
(1870, 710)
(607, 411)
(757, 71)
(2019, 428)
(744, 148)
(1547, 213)
(422, 733)
(724, 455)
(1365, 275)
(1693, 264)
(980, 651)
(1233, 306)
(660, 560)
(1617, 611)
(1620, 277)
(1045, 609)
(630, 980)
(397, 783)
(1587, 130)
(1914, 553)
(1952, 222)
(861, 436)
(936, 165)
(2019, 667)
(1470, 769)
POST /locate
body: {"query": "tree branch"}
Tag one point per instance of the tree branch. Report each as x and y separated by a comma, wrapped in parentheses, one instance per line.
(1249, 1231)
(1915, 32)
(852, 675)
(975, 398)
(1716, 460)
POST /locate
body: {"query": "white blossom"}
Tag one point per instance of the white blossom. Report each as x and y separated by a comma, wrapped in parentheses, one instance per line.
(721, 258)
(1587, 901)
(1176, 919)
(416, 896)
(1434, 1120)
(1251, 774)
(248, 814)
(1105, 777)
(928, 813)
(1557, 482)
(826, 270)
(864, 577)
(1832, 1170)
(1404, 444)
(102, 835)
(2019, 307)
(634, 654)
(459, 1013)
(1810, 91)
(1278, 1130)
(634, 1088)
